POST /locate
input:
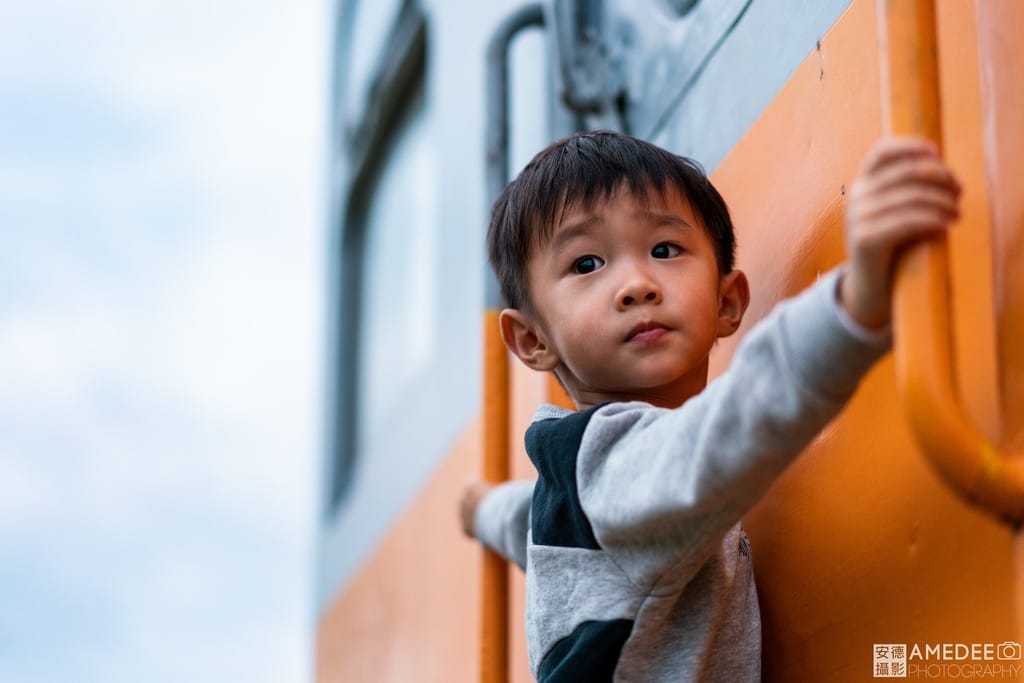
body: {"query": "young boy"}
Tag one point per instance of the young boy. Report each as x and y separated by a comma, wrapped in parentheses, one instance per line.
(615, 258)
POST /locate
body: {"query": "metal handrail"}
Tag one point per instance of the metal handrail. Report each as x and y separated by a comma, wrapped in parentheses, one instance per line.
(494, 652)
(969, 463)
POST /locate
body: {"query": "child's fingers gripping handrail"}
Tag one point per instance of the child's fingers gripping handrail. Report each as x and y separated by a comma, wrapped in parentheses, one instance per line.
(969, 463)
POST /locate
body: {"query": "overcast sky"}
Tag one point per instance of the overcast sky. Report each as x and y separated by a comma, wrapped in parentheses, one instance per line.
(162, 287)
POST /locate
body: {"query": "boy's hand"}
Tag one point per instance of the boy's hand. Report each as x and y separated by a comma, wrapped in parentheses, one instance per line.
(473, 492)
(904, 193)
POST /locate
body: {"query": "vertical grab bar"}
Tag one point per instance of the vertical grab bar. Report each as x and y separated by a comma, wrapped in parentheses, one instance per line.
(970, 464)
(494, 585)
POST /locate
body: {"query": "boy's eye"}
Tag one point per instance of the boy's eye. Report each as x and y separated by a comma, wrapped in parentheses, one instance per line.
(666, 250)
(587, 264)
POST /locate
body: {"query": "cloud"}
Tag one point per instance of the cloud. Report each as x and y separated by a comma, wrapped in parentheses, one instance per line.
(161, 305)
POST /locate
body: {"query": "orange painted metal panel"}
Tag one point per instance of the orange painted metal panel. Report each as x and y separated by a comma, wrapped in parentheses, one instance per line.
(974, 340)
(999, 27)
(412, 612)
(858, 543)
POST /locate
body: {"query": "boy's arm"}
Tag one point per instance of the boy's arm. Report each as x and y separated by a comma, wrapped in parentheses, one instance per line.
(499, 516)
(686, 475)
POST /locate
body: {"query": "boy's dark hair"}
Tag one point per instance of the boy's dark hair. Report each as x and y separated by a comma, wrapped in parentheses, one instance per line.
(579, 171)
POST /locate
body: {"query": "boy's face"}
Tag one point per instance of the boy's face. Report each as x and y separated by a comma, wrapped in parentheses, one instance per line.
(628, 302)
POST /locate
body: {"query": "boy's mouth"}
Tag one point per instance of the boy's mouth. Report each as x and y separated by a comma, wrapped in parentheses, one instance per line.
(646, 331)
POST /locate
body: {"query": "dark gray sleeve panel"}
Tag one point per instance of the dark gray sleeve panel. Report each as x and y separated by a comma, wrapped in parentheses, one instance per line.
(590, 653)
(558, 518)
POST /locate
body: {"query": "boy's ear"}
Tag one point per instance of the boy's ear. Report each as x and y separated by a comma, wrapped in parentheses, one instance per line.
(733, 299)
(526, 341)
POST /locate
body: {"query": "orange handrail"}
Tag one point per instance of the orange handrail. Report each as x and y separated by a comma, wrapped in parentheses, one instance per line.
(958, 451)
(494, 581)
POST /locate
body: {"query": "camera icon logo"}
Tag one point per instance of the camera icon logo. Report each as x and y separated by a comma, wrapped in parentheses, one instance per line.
(1008, 650)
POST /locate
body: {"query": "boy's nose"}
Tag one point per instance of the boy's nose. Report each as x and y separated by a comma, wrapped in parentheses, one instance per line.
(638, 289)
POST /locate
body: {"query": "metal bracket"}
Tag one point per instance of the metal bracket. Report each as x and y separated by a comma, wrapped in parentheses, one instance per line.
(591, 49)
(625, 64)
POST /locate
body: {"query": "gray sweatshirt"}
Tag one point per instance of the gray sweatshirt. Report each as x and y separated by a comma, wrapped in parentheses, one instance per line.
(637, 568)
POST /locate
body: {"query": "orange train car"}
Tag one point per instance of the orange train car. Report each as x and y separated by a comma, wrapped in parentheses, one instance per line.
(877, 535)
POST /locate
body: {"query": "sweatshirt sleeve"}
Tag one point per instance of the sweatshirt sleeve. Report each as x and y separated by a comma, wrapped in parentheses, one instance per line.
(681, 478)
(503, 520)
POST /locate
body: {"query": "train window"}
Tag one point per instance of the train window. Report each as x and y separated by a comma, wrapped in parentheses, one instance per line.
(385, 294)
(374, 19)
(396, 331)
